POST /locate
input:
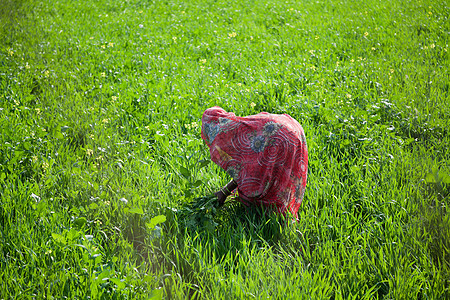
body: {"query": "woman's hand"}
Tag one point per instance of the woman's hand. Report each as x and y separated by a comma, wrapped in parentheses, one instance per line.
(221, 197)
(224, 192)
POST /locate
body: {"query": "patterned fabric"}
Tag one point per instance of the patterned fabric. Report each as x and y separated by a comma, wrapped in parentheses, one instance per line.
(265, 154)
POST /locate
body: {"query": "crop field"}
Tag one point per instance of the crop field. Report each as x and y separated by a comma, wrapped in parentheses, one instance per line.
(105, 181)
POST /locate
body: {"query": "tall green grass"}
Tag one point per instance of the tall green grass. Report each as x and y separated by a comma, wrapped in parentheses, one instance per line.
(100, 148)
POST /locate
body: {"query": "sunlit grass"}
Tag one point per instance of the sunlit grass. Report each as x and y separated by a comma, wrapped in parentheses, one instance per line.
(100, 148)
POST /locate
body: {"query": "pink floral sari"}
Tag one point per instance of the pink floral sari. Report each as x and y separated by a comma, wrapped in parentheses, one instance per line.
(265, 154)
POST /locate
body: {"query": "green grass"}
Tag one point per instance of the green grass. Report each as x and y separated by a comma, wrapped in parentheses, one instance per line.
(100, 148)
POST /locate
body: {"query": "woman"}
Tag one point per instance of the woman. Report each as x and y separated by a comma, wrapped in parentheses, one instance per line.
(265, 154)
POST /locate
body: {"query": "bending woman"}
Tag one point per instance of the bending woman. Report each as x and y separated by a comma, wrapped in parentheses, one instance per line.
(265, 154)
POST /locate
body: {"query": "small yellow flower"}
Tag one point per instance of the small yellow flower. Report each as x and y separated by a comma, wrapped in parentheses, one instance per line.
(432, 46)
(194, 125)
(232, 34)
(103, 46)
(49, 251)
(114, 98)
(352, 60)
(203, 61)
(430, 13)
(27, 66)
(89, 152)
(239, 84)
(47, 73)
(252, 105)
(311, 51)
(316, 37)
(99, 158)
(45, 165)
(188, 126)
(141, 11)
(183, 12)
(366, 34)
(174, 38)
(34, 159)
(349, 96)
(105, 121)
(103, 74)
(251, 38)
(373, 49)
(313, 68)
(98, 222)
(147, 127)
(38, 111)
(10, 52)
(107, 202)
(91, 38)
(110, 44)
(391, 70)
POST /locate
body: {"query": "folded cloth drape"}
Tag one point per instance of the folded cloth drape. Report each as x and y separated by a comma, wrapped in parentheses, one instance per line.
(265, 154)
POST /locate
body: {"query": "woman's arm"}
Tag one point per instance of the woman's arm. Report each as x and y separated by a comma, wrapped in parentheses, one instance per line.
(224, 192)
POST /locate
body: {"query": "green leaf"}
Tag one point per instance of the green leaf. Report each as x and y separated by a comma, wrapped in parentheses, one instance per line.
(40, 207)
(94, 290)
(185, 172)
(73, 234)
(80, 222)
(59, 238)
(430, 178)
(197, 183)
(155, 221)
(59, 135)
(156, 294)
(446, 178)
(104, 274)
(26, 146)
(120, 284)
(203, 163)
(354, 169)
(136, 210)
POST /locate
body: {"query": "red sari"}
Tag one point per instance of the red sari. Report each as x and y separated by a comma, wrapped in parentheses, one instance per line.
(265, 154)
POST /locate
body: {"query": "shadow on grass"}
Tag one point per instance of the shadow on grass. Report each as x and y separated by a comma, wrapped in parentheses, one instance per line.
(195, 241)
(434, 224)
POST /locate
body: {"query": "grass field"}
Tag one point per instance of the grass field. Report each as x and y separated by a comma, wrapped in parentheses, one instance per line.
(100, 148)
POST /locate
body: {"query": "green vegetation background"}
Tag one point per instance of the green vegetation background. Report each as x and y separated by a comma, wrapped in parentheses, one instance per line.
(100, 107)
